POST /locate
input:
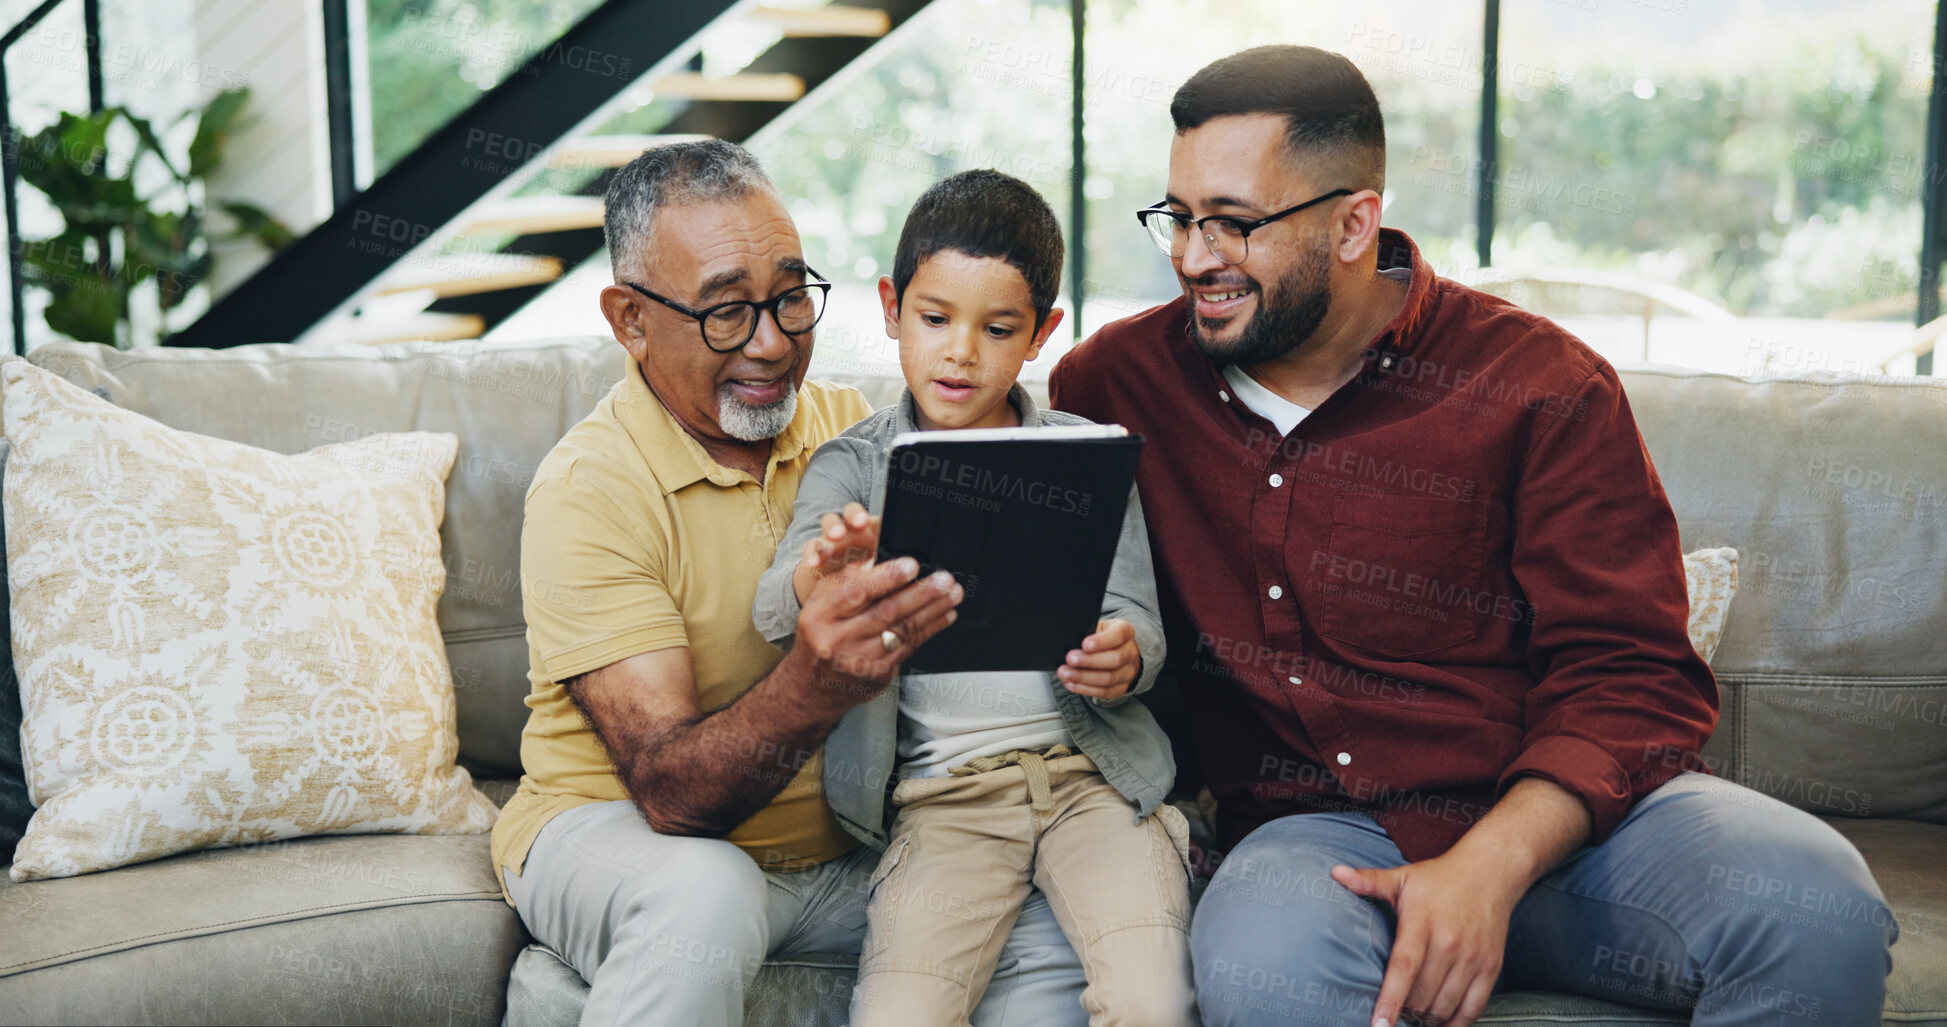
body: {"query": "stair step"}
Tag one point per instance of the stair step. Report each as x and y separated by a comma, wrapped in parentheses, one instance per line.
(610, 151)
(528, 215)
(776, 87)
(836, 20)
(454, 274)
(420, 327)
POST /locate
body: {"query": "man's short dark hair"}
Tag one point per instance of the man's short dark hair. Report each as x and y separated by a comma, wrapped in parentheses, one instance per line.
(985, 214)
(704, 171)
(1332, 114)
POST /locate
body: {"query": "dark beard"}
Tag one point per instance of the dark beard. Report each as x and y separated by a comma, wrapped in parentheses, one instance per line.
(1285, 319)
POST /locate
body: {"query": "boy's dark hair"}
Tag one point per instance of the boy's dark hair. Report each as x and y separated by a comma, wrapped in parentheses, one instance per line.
(1334, 119)
(985, 214)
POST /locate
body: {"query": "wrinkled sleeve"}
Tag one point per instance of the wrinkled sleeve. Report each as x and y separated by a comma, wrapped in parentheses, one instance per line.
(839, 473)
(1596, 550)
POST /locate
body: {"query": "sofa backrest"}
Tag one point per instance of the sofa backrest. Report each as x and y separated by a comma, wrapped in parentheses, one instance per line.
(1833, 667)
(1833, 490)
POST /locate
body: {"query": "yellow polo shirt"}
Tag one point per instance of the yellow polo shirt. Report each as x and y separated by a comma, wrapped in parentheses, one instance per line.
(635, 540)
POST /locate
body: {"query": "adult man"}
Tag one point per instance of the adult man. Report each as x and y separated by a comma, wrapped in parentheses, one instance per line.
(670, 832)
(1427, 591)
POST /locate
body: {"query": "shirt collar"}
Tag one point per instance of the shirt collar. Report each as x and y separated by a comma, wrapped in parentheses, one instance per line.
(907, 419)
(674, 457)
(1402, 333)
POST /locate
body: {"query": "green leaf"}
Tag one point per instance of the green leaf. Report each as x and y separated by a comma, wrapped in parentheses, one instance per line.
(214, 129)
(87, 311)
(256, 223)
(150, 247)
(58, 262)
(172, 287)
(65, 159)
(152, 143)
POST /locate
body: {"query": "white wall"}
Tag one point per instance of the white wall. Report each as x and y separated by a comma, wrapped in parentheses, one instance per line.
(281, 160)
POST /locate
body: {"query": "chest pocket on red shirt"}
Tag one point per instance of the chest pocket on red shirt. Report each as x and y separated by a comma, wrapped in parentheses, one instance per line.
(1401, 575)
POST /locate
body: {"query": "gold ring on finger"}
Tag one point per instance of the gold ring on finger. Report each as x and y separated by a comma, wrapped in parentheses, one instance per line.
(890, 639)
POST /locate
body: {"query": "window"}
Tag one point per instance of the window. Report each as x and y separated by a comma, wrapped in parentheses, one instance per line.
(428, 60)
(1771, 169)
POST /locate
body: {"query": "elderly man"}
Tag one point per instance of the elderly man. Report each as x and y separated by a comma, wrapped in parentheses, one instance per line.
(1424, 597)
(670, 832)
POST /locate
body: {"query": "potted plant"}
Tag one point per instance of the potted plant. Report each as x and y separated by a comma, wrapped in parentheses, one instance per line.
(129, 219)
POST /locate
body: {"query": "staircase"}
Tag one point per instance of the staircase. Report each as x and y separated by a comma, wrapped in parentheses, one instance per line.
(506, 198)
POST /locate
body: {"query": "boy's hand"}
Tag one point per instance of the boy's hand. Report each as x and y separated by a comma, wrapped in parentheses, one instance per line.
(1106, 664)
(844, 538)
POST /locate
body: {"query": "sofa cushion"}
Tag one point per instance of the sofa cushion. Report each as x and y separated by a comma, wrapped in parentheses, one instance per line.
(508, 403)
(805, 991)
(362, 929)
(1833, 490)
(1909, 861)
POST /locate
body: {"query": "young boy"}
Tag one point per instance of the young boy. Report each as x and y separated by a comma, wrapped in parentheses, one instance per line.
(1005, 781)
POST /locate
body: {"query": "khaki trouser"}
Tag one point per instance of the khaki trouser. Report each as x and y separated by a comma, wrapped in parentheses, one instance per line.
(966, 849)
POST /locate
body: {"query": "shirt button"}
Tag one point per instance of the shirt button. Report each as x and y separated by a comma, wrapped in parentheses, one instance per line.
(1276, 592)
(1277, 480)
(1295, 681)
(1345, 759)
(1225, 396)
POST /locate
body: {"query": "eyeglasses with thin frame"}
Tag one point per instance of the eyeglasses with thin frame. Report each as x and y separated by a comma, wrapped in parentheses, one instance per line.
(1228, 237)
(728, 327)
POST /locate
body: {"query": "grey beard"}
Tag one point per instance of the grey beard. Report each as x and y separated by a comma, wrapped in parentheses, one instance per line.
(747, 423)
(1303, 298)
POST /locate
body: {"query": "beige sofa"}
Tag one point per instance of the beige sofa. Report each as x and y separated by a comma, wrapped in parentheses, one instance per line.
(1833, 669)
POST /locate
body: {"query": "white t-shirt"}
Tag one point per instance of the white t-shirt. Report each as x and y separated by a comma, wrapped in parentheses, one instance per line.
(1280, 411)
(947, 719)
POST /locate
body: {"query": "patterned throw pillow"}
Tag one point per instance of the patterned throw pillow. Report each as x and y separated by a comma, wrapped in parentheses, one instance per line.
(1712, 577)
(218, 644)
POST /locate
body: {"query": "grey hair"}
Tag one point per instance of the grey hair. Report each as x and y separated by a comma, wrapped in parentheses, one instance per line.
(677, 173)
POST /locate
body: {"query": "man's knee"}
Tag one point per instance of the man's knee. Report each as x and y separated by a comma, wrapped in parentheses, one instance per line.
(1810, 891)
(700, 914)
(1275, 938)
(1797, 889)
(703, 881)
(1279, 884)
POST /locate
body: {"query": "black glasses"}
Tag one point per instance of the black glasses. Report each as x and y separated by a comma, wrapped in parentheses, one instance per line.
(727, 327)
(1228, 237)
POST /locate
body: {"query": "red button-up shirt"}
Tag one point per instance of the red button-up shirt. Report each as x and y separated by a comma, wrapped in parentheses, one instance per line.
(1460, 569)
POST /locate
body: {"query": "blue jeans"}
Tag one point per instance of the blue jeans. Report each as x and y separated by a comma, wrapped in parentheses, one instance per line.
(1708, 896)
